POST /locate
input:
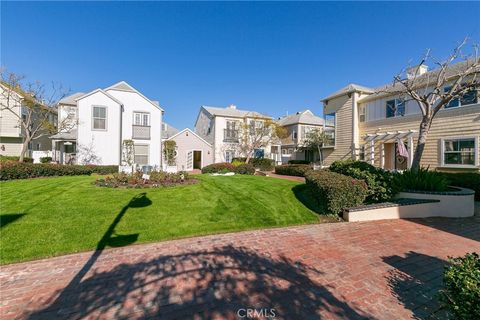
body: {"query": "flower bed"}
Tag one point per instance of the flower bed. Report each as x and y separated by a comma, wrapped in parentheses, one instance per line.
(156, 179)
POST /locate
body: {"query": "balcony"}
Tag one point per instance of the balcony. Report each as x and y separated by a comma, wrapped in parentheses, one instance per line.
(141, 132)
(230, 135)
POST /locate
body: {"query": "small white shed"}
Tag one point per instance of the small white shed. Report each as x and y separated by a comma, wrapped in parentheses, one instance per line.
(193, 152)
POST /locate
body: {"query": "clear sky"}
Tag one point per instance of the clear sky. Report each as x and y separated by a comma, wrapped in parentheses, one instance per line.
(269, 57)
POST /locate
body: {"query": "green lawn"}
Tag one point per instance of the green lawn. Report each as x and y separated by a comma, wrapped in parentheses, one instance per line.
(53, 216)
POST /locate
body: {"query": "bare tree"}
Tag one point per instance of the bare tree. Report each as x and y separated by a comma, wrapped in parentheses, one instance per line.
(33, 109)
(257, 133)
(316, 139)
(452, 78)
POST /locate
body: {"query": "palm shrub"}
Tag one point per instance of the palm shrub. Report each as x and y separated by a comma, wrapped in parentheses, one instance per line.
(381, 183)
(470, 180)
(421, 180)
(461, 292)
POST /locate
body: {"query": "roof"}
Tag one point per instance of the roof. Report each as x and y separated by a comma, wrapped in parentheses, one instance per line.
(124, 86)
(102, 91)
(305, 117)
(71, 99)
(72, 135)
(193, 133)
(349, 89)
(169, 132)
(233, 112)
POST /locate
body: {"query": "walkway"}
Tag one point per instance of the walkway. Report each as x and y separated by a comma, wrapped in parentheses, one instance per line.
(371, 270)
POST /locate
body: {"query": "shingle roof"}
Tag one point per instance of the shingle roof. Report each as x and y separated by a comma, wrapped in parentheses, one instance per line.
(169, 132)
(71, 135)
(71, 98)
(233, 112)
(305, 117)
(349, 89)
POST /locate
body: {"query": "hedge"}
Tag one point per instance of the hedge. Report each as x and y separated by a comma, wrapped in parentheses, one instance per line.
(15, 158)
(219, 168)
(469, 180)
(298, 170)
(298, 162)
(381, 183)
(11, 170)
(335, 192)
(245, 168)
(263, 164)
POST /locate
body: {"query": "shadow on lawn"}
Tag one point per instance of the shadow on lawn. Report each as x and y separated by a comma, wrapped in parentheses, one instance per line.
(415, 282)
(8, 218)
(109, 238)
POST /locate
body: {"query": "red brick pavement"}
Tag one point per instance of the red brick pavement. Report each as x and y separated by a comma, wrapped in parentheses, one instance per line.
(374, 270)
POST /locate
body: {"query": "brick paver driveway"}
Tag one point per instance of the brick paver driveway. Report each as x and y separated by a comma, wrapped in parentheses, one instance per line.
(382, 270)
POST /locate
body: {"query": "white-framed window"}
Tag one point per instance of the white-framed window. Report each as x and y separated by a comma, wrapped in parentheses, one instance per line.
(99, 118)
(229, 154)
(395, 108)
(141, 119)
(460, 152)
(361, 113)
(294, 134)
(141, 152)
(468, 98)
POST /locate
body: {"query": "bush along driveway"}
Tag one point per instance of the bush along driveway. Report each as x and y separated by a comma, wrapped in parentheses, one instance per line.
(52, 216)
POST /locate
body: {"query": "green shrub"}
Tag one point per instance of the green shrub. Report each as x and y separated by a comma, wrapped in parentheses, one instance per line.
(470, 180)
(10, 170)
(15, 158)
(298, 162)
(421, 180)
(381, 184)
(334, 191)
(46, 159)
(245, 168)
(263, 164)
(135, 180)
(461, 293)
(297, 170)
(236, 163)
(222, 167)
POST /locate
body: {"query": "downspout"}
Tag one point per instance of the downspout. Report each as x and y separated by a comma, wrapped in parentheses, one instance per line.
(355, 128)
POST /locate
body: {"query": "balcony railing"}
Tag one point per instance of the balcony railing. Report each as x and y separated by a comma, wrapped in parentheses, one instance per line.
(141, 132)
(230, 135)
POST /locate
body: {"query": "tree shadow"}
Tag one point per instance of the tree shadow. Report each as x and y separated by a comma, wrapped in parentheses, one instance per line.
(415, 281)
(109, 238)
(8, 218)
(201, 284)
(463, 227)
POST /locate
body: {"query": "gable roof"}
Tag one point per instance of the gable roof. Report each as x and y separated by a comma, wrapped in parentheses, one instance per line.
(169, 132)
(305, 117)
(71, 99)
(101, 91)
(124, 86)
(196, 135)
(233, 112)
(349, 89)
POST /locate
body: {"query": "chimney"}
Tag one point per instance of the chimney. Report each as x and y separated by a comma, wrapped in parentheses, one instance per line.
(232, 106)
(419, 70)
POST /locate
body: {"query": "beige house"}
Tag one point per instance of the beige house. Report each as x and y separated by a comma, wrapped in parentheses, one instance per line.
(298, 125)
(369, 126)
(192, 151)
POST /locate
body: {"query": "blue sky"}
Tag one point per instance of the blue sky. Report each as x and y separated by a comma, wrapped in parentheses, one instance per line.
(269, 57)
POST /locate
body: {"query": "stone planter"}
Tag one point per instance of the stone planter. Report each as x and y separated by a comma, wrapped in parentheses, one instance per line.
(452, 204)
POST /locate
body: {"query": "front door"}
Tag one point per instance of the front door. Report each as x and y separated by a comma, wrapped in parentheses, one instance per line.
(197, 159)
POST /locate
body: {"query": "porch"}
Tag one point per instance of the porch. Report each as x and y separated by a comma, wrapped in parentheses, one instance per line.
(64, 147)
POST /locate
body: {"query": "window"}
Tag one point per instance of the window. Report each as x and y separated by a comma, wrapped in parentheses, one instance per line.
(395, 108)
(470, 97)
(141, 152)
(259, 153)
(330, 119)
(99, 118)
(361, 113)
(290, 150)
(251, 127)
(462, 151)
(229, 154)
(361, 153)
(284, 151)
(141, 119)
(294, 134)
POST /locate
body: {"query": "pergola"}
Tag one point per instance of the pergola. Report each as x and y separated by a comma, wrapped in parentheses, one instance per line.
(387, 137)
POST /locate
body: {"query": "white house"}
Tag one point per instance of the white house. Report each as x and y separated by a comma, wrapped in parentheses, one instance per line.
(221, 127)
(105, 119)
(192, 151)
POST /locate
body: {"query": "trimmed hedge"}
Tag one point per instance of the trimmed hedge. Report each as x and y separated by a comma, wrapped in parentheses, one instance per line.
(245, 168)
(421, 180)
(11, 170)
(135, 180)
(263, 164)
(381, 184)
(219, 168)
(46, 159)
(15, 158)
(461, 293)
(298, 170)
(298, 162)
(469, 180)
(335, 192)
